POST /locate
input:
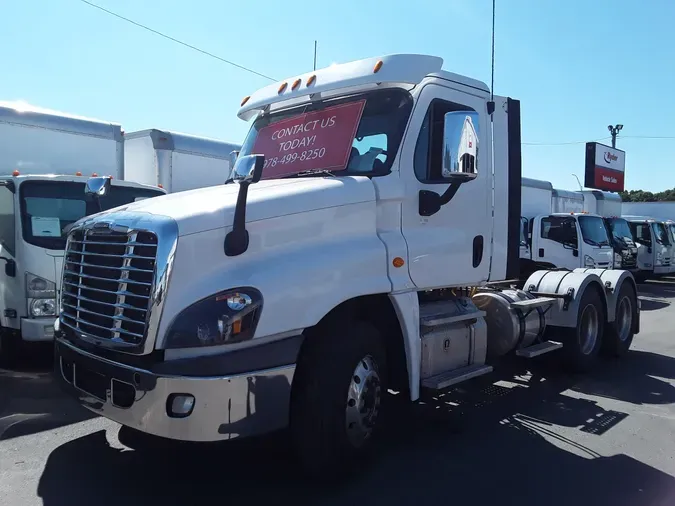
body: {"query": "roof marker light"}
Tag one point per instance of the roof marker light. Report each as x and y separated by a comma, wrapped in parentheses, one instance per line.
(94, 174)
(282, 88)
(296, 83)
(78, 173)
(311, 80)
(15, 173)
(244, 100)
(378, 66)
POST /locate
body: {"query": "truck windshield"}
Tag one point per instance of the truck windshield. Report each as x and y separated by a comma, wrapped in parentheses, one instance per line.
(355, 135)
(47, 207)
(660, 234)
(671, 227)
(620, 229)
(593, 230)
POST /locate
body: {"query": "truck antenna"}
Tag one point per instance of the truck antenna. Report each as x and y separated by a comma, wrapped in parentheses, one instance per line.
(314, 55)
(491, 103)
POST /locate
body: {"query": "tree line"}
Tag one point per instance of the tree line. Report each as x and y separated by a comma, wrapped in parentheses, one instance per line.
(643, 196)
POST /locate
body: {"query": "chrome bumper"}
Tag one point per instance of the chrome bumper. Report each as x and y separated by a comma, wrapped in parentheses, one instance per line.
(224, 408)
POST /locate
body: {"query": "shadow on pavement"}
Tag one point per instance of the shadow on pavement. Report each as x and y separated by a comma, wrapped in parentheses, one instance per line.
(492, 443)
(656, 294)
(30, 399)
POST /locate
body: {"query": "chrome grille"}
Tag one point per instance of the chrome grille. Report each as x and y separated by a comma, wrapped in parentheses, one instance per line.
(107, 284)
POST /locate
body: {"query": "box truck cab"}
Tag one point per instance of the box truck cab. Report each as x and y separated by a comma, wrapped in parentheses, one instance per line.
(560, 234)
(654, 246)
(609, 205)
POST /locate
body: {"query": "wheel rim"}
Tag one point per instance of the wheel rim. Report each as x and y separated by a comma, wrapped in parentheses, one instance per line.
(363, 401)
(624, 318)
(588, 334)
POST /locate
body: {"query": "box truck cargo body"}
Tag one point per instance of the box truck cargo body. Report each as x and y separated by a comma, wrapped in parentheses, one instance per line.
(177, 162)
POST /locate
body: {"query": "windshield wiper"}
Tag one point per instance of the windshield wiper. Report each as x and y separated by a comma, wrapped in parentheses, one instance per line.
(314, 172)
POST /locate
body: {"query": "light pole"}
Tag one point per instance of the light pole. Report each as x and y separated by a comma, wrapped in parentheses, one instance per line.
(614, 131)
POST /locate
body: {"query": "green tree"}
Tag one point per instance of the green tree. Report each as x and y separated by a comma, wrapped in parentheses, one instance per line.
(643, 196)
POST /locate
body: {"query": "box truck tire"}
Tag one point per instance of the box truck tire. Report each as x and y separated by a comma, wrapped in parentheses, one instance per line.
(620, 332)
(582, 344)
(337, 395)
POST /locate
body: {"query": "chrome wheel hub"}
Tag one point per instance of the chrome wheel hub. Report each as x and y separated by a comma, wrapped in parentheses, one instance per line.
(363, 401)
(624, 318)
(588, 334)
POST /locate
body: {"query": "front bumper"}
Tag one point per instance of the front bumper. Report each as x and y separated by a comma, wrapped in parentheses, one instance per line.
(662, 269)
(37, 329)
(225, 407)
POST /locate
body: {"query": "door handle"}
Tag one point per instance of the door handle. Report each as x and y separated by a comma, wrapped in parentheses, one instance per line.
(541, 252)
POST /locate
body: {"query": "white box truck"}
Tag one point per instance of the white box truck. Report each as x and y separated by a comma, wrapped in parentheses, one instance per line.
(313, 282)
(45, 160)
(560, 233)
(655, 246)
(176, 162)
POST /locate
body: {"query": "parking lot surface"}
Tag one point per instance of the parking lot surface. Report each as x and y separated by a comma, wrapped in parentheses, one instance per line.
(535, 437)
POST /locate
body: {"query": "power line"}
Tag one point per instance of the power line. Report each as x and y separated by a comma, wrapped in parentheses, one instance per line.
(173, 39)
(650, 137)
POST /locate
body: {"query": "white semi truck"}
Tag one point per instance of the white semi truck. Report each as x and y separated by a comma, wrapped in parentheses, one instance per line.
(655, 246)
(560, 232)
(46, 158)
(348, 255)
(174, 161)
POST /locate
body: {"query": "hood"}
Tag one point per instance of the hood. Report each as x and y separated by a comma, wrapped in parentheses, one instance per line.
(212, 208)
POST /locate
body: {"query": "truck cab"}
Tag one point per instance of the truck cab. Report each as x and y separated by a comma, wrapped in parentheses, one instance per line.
(654, 246)
(365, 242)
(625, 247)
(36, 212)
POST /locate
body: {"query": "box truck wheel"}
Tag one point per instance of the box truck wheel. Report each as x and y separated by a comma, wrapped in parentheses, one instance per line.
(583, 342)
(620, 332)
(337, 395)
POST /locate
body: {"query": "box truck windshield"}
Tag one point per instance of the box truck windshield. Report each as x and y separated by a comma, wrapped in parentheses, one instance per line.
(48, 207)
(359, 134)
(593, 231)
(620, 229)
(660, 234)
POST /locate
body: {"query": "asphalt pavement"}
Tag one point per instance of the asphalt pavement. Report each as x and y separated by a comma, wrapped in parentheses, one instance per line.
(536, 436)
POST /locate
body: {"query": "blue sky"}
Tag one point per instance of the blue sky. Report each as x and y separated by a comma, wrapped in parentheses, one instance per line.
(576, 66)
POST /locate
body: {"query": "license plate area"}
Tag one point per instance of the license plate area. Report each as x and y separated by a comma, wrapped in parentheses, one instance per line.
(93, 383)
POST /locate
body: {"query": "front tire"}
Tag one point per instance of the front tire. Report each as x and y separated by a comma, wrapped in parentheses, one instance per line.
(582, 343)
(337, 396)
(620, 333)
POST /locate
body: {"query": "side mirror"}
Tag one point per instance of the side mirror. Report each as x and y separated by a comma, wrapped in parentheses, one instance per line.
(233, 158)
(10, 268)
(97, 186)
(460, 146)
(248, 168)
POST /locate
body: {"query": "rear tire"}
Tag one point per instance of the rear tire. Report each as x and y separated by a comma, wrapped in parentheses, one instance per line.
(582, 343)
(337, 394)
(620, 332)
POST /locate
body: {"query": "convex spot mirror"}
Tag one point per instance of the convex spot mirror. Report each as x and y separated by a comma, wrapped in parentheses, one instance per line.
(248, 168)
(460, 146)
(97, 186)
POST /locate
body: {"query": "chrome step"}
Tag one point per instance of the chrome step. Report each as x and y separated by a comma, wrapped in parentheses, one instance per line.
(440, 313)
(533, 303)
(446, 379)
(538, 349)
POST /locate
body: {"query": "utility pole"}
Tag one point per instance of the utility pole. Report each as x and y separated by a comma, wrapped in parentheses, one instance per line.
(614, 131)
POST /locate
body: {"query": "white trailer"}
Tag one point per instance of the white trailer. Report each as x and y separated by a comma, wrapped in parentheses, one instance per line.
(46, 158)
(176, 162)
(306, 288)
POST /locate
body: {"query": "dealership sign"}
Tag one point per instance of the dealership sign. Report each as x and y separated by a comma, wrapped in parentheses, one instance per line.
(605, 167)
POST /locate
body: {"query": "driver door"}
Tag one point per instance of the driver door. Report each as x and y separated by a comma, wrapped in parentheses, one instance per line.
(556, 241)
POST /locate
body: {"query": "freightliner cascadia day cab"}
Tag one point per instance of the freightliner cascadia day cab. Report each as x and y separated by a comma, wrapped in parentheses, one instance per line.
(357, 248)
(176, 162)
(46, 159)
(655, 247)
(560, 234)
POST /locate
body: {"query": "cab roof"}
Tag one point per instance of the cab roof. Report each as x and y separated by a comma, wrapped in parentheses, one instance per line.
(360, 75)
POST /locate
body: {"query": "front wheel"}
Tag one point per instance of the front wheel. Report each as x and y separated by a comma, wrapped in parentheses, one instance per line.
(583, 342)
(337, 395)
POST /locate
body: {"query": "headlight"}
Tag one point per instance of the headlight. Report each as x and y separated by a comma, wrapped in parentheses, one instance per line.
(39, 288)
(42, 307)
(223, 318)
(588, 261)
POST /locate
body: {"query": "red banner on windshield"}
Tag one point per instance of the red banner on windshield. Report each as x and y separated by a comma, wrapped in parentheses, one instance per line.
(312, 141)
